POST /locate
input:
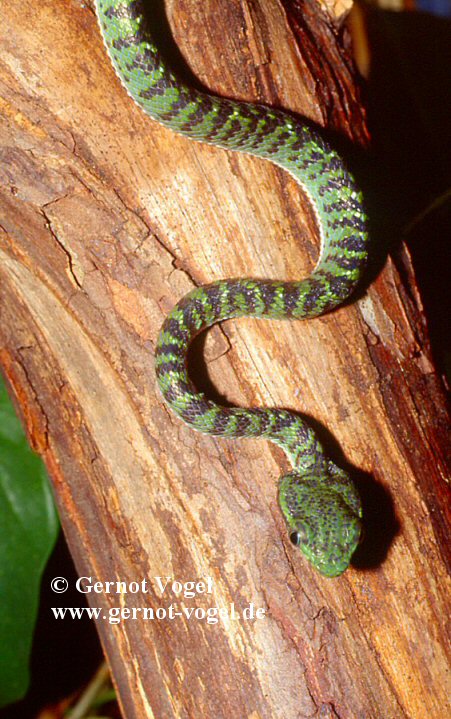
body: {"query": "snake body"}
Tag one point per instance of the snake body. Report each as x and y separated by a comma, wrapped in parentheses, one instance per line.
(318, 499)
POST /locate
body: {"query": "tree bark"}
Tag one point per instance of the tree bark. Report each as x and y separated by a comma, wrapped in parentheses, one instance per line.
(106, 220)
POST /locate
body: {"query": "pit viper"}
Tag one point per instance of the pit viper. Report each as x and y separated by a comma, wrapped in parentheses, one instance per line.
(318, 499)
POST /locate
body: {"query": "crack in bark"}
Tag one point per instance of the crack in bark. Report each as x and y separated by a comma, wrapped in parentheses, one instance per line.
(42, 445)
(61, 244)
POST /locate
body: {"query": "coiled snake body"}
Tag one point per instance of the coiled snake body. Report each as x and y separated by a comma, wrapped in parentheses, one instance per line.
(318, 499)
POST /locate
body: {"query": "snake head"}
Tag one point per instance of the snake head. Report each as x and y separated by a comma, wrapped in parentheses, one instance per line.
(323, 514)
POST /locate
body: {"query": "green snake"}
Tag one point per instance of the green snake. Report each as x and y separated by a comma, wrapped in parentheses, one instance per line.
(318, 499)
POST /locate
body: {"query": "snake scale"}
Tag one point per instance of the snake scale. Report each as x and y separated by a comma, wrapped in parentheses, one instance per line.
(317, 498)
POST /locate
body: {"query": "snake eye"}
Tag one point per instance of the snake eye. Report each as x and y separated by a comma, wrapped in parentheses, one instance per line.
(295, 538)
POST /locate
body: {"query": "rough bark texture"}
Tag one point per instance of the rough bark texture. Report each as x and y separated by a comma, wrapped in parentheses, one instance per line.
(106, 220)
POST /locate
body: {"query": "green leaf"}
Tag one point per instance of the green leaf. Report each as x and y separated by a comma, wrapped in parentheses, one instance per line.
(28, 531)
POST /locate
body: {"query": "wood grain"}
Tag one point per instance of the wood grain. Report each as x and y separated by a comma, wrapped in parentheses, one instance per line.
(106, 220)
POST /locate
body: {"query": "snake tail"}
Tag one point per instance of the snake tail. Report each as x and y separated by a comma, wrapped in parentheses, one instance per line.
(318, 499)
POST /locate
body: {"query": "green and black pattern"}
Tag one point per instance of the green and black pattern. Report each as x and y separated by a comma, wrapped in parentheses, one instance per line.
(318, 499)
